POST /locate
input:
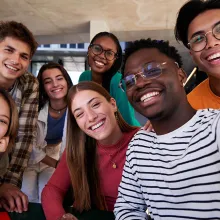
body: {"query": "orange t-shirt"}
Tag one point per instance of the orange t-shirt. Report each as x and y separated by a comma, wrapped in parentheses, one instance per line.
(202, 97)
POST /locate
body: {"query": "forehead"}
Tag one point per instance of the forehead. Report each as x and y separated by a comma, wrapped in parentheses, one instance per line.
(51, 73)
(106, 43)
(142, 56)
(4, 106)
(82, 98)
(18, 45)
(204, 21)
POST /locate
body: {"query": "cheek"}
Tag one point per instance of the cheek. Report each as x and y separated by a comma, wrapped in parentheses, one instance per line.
(3, 131)
(81, 123)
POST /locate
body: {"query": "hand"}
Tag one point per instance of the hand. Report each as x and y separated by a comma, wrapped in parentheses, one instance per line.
(12, 199)
(68, 216)
(148, 126)
(4, 144)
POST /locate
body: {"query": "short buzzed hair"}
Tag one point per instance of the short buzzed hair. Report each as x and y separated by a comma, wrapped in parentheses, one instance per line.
(18, 31)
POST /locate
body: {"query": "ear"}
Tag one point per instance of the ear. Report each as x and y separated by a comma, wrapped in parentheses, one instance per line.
(182, 76)
(113, 104)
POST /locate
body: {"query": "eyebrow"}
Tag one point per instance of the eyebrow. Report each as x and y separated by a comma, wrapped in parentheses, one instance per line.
(5, 116)
(202, 32)
(55, 77)
(77, 109)
(12, 48)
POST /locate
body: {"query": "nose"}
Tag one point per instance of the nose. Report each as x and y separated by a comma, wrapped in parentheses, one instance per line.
(15, 58)
(211, 40)
(91, 115)
(55, 83)
(141, 81)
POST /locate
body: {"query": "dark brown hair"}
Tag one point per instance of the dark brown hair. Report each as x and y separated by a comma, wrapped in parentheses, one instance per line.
(82, 155)
(13, 124)
(43, 97)
(18, 31)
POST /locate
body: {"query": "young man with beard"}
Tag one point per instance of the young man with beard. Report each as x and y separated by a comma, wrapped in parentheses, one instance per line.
(198, 27)
(17, 46)
(173, 171)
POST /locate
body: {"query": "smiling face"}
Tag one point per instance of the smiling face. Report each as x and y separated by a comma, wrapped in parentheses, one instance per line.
(14, 60)
(4, 117)
(55, 84)
(95, 116)
(208, 59)
(158, 97)
(98, 63)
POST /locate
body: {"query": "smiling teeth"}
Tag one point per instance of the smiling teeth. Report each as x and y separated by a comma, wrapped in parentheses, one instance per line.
(12, 68)
(97, 125)
(213, 56)
(149, 95)
(99, 63)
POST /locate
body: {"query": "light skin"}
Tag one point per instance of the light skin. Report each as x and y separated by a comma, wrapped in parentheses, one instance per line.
(169, 102)
(15, 57)
(4, 124)
(96, 116)
(204, 22)
(98, 63)
(14, 60)
(56, 87)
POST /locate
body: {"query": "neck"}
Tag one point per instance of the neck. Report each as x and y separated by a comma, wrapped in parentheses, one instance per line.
(58, 104)
(6, 84)
(113, 138)
(214, 85)
(97, 77)
(182, 114)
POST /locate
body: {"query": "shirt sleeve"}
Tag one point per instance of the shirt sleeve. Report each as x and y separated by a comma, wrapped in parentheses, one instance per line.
(26, 133)
(55, 190)
(124, 106)
(130, 202)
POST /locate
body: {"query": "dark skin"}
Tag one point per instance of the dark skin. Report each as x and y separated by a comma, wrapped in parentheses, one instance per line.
(165, 109)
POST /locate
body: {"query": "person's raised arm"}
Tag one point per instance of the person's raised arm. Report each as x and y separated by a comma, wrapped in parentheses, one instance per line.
(55, 190)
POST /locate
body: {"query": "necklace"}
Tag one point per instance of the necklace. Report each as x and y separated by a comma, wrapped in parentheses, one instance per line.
(58, 110)
(114, 165)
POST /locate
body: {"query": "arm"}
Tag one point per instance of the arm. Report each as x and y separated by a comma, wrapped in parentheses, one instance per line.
(26, 134)
(130, 202)
(53, 193)
(26, 98)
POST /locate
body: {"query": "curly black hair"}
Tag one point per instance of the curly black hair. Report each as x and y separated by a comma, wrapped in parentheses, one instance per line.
(162, 46)
(187, 13)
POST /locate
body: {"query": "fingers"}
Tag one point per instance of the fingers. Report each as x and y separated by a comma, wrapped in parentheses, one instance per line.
(4, 144)
(12, 199)
(148, 126)
(68, 216)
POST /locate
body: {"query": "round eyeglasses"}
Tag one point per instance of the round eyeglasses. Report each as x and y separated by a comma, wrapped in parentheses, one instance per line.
(199, 41)
(149, 71)
(97, 50)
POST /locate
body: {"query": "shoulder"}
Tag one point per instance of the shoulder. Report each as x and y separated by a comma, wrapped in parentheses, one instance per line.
(116, 78)
(86, 76)
(28, 81)
(199, 90)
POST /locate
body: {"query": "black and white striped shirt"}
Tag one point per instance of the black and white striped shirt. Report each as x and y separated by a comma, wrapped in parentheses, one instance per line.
(174, 176)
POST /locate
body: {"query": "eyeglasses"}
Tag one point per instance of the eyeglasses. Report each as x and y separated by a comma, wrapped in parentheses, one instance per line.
(148, 71)
(199, 41)
(97, 50)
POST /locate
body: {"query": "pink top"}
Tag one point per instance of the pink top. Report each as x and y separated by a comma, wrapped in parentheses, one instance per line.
(55, 190)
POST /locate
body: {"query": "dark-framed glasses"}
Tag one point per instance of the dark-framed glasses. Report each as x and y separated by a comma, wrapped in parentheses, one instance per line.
(148, 71)
(97, 50)
(199, 41)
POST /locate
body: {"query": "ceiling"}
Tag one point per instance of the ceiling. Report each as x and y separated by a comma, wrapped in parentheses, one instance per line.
(68, 21)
